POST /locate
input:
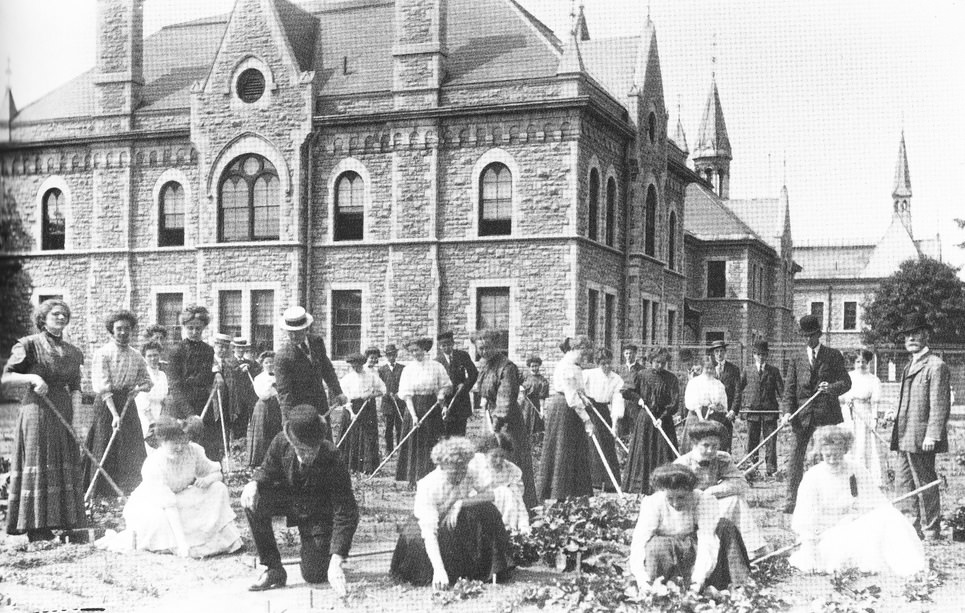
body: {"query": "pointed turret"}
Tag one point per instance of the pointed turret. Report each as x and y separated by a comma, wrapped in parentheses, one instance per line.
(582, 32)
(712, 153)
(8, 111)
(647, 59)
(679, 137)
(572, 60)
(901, 195)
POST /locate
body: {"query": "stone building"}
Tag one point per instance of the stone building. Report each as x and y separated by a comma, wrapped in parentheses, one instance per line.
(837, 278)
(399, 167)
(740, 254)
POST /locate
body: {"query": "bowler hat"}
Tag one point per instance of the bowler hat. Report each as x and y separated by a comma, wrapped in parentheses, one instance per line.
(445, 336)
(295, 318)
(305, 425)
(391, 348)
(761, 347)
(914, 321)
(808, 325)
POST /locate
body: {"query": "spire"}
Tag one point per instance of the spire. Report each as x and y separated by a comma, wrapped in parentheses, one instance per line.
(8, 110)
(679, 137)
(712, 139)
(902, 178)
(647, 48)
(582, 32)
(572, 60)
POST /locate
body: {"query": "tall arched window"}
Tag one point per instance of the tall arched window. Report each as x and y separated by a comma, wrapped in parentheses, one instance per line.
(249, 200)
(349, 207)
(672, 241)
(54, 228)
(650, 230)
(594, 207)
(171, 215)
(611, 211)
(496, 201)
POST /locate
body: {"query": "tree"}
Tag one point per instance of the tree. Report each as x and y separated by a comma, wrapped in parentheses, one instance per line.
(15, 283)
(920, 284)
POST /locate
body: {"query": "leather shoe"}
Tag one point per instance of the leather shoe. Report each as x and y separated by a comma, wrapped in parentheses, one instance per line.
(271, 578)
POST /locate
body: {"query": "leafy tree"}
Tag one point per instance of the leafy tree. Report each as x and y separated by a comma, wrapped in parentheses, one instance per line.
(924, 285)
(15, 283)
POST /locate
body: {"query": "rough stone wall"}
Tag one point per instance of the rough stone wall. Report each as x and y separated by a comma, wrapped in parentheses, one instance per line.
(521, 91)
(602, 147)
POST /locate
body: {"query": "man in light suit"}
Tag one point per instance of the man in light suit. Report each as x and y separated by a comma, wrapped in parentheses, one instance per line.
(302, 368)
(816, 369)
(729, 374)
(463, 374)
(921, 423)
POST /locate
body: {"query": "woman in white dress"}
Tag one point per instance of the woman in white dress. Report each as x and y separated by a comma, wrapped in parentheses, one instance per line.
(860, 410)
(843, 520)
(150, 403)
(182, 505)
(705, 398)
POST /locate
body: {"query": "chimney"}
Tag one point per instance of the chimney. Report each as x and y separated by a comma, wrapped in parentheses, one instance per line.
(419, 53)
(118, 75)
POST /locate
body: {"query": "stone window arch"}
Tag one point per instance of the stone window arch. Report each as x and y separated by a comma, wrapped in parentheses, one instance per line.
(249, 196)
(171, 215)
(495, 193)
(650, 224)
(672, 241)
(53, 223)
(593, 205)
(349, 192)
(610, 211)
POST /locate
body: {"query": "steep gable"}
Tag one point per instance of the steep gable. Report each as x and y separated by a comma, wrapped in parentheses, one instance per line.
(895, 246)
(708, 218)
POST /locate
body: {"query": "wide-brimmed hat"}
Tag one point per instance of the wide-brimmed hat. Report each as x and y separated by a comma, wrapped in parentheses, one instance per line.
(761, 347)
(240, 341)
(444, 336)
(808, 325)
(221, 338)
(295, 318)
(914, 321)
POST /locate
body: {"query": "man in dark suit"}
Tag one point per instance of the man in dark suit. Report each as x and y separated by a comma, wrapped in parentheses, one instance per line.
(463, 374)
(393, 408)
(758, 393)
(302, 368)
(921, 424)
(628, 366)
(816, 369)
(729, 374)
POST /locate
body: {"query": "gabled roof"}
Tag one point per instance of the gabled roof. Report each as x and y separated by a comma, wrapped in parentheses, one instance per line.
(767, 216)
(712, 139)
(895, 247)
(709, 218)
(487, 40)
(611, 62)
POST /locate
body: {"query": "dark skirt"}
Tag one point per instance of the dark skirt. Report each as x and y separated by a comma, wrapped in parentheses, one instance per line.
(648, 450)
(212, 440)
(600, 477)
(532, 420)
(360, 449)
(127, 453)
(565, 465)
(265, 423)
(522, 455)
(46, 483)
(414, 461)
(675, 555)
(476, 548)
(718, 416)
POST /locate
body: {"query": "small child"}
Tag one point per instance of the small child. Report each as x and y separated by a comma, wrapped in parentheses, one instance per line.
(507, 481)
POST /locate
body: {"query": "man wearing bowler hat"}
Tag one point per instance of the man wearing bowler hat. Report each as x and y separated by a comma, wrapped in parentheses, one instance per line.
(302, 368)
(761, 387)
(463, 374)
(729, 374)
(921, 423)
(816, 369)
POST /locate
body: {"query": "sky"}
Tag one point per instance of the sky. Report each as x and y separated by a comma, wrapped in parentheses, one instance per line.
(815, 93)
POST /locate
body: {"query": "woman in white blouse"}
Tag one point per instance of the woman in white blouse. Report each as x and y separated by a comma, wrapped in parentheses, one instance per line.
(680, 534)
(860, 410)
(565, 463)
(150, 404)
(705, 398)
(359, 449)
(602, 387)
(423, 387)
(456, 531)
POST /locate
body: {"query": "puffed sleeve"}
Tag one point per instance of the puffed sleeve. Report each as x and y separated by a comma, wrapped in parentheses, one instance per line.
(424, 507)
(693, 398)
(100, 373)
(707, 542)
(648, 521)
(265, 385)
(617, 406)
(18, 361)
(407, 382)
(875, 390)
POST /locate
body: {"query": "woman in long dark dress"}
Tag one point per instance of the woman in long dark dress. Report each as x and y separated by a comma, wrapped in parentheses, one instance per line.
(118, 373)
(46, 487)
(499, 394)
(191, 379)
(359, 448)
(456, 531)
(423, 387)
(565, 464)
(265, 420)
(659, 390)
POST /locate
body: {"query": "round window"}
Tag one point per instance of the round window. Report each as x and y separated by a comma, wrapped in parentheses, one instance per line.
(251, 85)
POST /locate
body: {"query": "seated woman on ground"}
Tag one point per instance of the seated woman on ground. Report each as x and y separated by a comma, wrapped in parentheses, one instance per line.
(718, 476)
(844, 521)
(506, 480)
(182, 505)
(456, 531)
(680, 535)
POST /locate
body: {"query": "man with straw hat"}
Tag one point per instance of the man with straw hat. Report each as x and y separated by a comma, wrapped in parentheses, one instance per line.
(302, 368)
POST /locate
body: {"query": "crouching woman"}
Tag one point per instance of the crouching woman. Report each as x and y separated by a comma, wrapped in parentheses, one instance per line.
(456, 531)
(679, 534)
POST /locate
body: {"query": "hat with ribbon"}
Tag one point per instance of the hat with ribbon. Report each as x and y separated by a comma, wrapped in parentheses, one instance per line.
(295, 318)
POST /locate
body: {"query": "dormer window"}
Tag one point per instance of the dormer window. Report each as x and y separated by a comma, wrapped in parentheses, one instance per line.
(250, 85)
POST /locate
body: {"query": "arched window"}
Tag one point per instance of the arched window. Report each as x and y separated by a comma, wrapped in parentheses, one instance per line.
(672, 241)
(349, 207)
(594, 212)
(650, 230)
(248, 199)
(54, 228)
(611, 211)
(652, 127)
(171, 215)
(496, 201)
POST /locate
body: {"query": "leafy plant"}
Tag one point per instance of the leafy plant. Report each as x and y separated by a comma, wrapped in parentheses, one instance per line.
(463, 589)
(956, 518)
(921, 586)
